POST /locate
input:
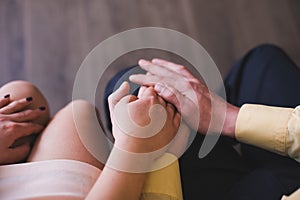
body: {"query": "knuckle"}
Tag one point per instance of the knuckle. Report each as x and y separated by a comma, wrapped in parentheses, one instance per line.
(169, 92)
(3, 119)
(110, 98)
(24, 114)
(12, 125)
(181, 67)
(8, 126)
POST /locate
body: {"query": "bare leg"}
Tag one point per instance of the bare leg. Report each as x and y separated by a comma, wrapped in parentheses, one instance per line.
(20, 90)
(60, 139)
(23, 89)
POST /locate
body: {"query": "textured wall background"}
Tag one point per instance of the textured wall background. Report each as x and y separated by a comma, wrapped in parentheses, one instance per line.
(45, 41)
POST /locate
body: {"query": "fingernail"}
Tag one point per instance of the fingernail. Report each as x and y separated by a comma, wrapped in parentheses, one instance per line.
(154, 60)
(158, 88)
(143, 62)
(42, 108)
(29, 99)
(7, 96)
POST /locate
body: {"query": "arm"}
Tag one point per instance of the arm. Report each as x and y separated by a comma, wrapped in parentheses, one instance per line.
(118, 180)
(113, 184)
(272, 128)
(24, 112)
(15, 126)
(188, 95)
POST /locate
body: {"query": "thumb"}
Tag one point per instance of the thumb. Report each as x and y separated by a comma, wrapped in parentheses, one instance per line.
(116, 96)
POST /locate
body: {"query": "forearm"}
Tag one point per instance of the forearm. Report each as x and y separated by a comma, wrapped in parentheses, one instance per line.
(113, 184)
(122, 176)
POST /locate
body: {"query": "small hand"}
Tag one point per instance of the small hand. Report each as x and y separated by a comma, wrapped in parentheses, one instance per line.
(16, 129)
(138, 111)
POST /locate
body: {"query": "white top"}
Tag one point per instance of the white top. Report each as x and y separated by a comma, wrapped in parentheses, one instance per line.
(51, 179)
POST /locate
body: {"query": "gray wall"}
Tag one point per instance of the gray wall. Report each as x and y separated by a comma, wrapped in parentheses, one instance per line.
(45, 41)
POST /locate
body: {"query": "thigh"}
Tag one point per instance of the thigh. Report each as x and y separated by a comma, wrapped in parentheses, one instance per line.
(61, 138)
(265, 183)
(218, 171)
(265, 75)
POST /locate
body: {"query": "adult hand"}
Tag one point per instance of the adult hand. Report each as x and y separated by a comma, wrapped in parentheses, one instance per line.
(16, 129)
(142, 124)
(178, 86)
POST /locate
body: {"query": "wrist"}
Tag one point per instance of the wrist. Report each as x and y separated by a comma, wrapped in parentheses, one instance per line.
(230, 121)
(130, 162)
(130, 144)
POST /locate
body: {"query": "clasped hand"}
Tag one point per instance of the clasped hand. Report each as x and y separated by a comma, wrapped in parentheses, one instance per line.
(138, 109)
(17, 130)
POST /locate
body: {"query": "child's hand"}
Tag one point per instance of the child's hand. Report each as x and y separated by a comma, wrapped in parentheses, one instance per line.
(144, 124)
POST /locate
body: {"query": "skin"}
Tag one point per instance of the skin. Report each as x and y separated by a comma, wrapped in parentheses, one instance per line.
(24, 113)
(59, 138)
(123, 185)
(163, 74)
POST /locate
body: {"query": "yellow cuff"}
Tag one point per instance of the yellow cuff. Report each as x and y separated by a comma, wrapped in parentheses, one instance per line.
(263, 126)
(164, 183)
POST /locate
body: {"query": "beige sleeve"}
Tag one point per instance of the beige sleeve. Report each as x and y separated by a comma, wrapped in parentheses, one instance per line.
(294, 196)
(272, 128)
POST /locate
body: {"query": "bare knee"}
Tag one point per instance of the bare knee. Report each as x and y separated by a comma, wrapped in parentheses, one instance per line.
(19, 89)
(22, 89)
(79, 105)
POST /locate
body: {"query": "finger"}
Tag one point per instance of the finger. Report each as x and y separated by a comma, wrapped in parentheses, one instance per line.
(148, 92)
(122, 103)
(171, 110)
(116, 96)
(171, 107)
(16, 106)
(18, 153)
(170, 95)
(25, 129)
(127, 99)
(4, 101)
(183, 104)
(142, 88)
(162, 101)
(179, 69)
(147, 80)
(141, 91)
(177, 118)
(27, 115)
(159, 70)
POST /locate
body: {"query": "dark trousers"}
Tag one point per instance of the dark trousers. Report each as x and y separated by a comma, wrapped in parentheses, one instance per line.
(265, 75)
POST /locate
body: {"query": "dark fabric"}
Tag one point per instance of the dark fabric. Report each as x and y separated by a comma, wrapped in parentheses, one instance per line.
(267, 76)
(213, 176)
(200, 177)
